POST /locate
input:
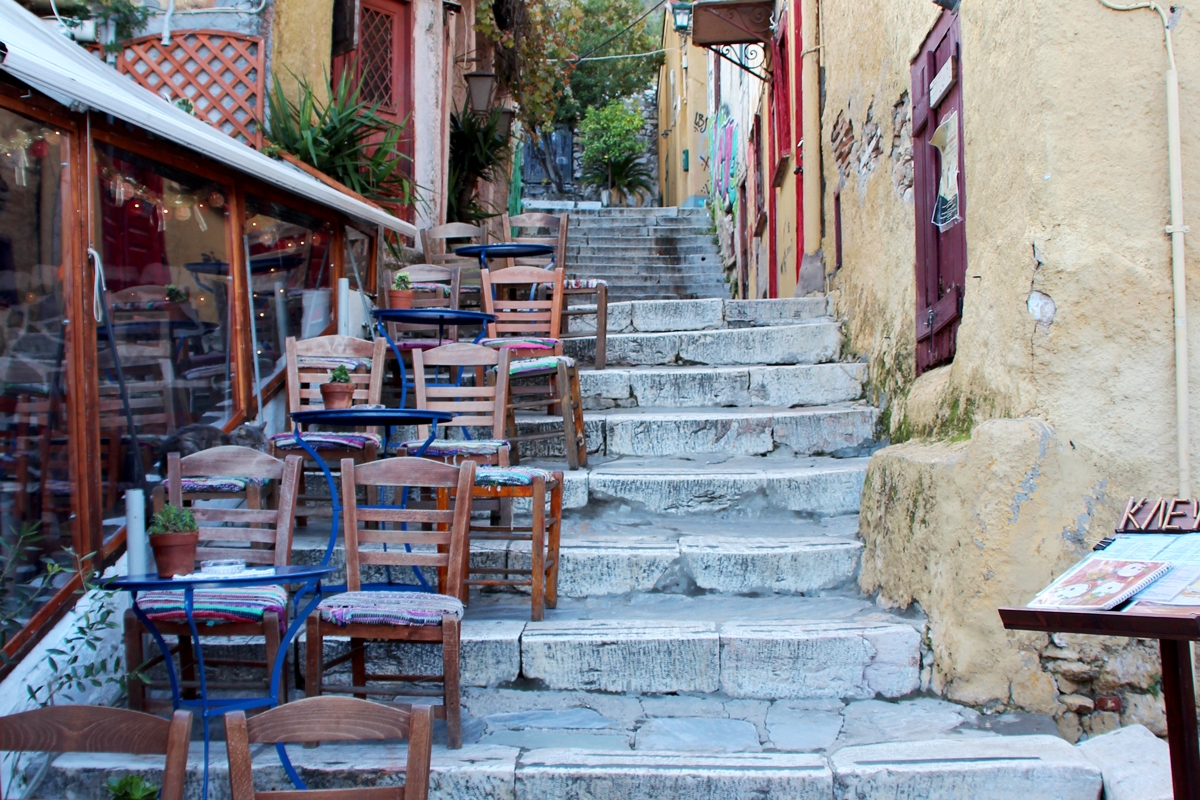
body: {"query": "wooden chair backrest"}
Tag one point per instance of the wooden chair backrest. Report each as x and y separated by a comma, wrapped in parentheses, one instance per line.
(557, 237)
(522, 316)
(452, 517)
(97, 729)
(304, 383)
(474, 406)
(149, 383)
(434, 241)
(427, 273)
(256, 536)
(333, 719)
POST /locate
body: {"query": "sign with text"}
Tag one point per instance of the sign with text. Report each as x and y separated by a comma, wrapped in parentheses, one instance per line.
(1164, 515)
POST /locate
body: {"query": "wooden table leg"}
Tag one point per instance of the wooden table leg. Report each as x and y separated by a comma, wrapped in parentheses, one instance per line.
(1180, 699)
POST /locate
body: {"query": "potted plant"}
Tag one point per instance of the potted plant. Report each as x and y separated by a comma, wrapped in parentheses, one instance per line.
(173, 537)
(131, 787)
(338, 392)
(401, 293)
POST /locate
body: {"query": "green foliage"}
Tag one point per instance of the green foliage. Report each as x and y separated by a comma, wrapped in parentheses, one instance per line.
(401, 282)
(19, 598)
(627, 176)
(477, 152)
(127, 16)
(340, 374)
(173, 519)
(343, 137)
(595, 84)
(611, 150)
(175, 294)
(131, 787)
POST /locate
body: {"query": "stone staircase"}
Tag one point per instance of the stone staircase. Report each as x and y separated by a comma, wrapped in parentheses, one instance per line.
(646, 253)
(709, 640)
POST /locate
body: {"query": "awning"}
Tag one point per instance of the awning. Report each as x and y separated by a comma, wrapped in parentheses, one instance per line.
(51, 63)
(719, 22)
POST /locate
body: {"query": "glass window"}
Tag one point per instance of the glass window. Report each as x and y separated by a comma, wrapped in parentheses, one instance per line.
(36, 493)
(163, 237)
(291, 261)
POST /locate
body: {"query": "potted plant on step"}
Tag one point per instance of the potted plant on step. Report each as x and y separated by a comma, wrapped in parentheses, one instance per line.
(401, 293)
(173, 537)
(338, 392)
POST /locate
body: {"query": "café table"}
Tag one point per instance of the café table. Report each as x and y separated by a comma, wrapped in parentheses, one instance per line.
(1174, 634)
(441, 317)
(309, 577)
(505, 250)
(362, 416)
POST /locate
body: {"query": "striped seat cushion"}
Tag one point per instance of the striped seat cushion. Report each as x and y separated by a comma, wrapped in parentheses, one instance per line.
(450, 447)
(422, 344)
(536, 366)
(221, 484)
(389, 608)
(522, 342)
(584, 283)
(509, 476)
(208, 371)
(442, 288)
(332, 362)
(327, 440)
(216, 606)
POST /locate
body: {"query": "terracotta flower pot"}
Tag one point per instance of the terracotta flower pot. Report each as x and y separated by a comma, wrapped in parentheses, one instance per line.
(400, 298)
(337, 395)
(174, 553)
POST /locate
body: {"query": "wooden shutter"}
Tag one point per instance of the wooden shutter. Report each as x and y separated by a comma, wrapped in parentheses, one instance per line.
(941, 254)
(346, 14)
(781, 108)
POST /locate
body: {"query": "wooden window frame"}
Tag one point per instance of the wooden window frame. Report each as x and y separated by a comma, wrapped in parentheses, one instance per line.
(781, 107)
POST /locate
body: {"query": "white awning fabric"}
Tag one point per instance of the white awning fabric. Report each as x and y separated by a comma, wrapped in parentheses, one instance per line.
(51, 63)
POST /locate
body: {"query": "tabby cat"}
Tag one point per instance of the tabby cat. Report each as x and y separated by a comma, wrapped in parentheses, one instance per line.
(195, 438)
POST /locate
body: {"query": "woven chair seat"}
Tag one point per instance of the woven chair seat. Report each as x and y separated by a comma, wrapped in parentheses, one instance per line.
(216, 606)
(537, 366)
(326, 440)
(410, 609)
(332, 362)
(522, 342)
(217, 484)
(457, 447)
(510, 476)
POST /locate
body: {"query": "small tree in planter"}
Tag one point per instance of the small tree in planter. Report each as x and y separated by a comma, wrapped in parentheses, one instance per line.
(611, 152)
(401, 293)
(338, 392)
(173, 537)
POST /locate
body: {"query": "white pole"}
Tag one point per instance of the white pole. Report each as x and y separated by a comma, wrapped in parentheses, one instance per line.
(137, 546)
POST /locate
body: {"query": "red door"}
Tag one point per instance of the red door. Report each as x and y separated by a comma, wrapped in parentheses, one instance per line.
(940, 198)
(381, 55)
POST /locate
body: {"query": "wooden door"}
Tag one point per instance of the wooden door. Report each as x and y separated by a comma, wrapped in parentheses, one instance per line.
(941, 243)
(380, 54)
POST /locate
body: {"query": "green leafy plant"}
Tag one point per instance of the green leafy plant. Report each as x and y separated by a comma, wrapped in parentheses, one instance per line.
(339, 375)
(401, 282)
(175, 294)
(343, 137)
(19, 598)
(611, 150)
(477, 152)
(131, 787)
(173, 519)
(128, 19)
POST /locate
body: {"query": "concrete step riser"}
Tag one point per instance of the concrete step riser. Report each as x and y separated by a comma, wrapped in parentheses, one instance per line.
(744, 387)
(811, 343)
(627, 239)
(694, 315)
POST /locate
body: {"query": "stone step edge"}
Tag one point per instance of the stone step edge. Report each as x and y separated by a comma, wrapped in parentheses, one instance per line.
(666, 316)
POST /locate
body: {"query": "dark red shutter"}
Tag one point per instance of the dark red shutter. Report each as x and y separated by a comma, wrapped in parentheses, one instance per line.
(941, 255)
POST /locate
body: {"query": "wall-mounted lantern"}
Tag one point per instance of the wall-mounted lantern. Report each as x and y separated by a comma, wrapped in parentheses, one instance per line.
(682, 14)
(480, 86)
(504, 124)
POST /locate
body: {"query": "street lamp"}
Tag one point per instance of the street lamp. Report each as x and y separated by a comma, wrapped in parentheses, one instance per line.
(480, 86)
(682, 12)
(505, 121)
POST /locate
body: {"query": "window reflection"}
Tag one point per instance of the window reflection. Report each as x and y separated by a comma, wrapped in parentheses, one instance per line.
(163, 236)
(36, 492)
(291, 261)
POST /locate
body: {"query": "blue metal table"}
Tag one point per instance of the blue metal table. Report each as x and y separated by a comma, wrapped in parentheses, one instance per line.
(426, 316)
(308, 576)
(505, 250)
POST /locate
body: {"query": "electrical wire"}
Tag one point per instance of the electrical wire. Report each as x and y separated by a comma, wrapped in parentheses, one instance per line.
(622, 32)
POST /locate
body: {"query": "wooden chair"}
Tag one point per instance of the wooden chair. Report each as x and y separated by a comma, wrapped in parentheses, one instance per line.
(435, 242)
(332, 719)
(97, 729)
(529, 329)
(255, 536)
(572, 287)
(389, 615)
(309, 364)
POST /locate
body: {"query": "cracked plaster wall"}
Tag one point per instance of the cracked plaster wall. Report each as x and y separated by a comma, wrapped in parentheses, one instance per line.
(1066, 327)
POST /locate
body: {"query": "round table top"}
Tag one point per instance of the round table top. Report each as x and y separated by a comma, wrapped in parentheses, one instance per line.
(506, 250)
(447, 316)
(354, 417)
(278, 575)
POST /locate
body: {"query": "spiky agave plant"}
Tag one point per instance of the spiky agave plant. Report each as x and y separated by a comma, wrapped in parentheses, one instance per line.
(625, 176)
(478, 152)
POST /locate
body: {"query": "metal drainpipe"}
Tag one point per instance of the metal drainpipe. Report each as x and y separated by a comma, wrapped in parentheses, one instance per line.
(1177, 230)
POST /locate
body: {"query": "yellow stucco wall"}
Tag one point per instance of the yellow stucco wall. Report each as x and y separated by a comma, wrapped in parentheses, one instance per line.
(682, 95)
(1066, 195)
(301, 42)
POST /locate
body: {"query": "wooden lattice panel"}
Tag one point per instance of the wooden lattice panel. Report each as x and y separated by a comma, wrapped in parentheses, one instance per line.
(220, 72)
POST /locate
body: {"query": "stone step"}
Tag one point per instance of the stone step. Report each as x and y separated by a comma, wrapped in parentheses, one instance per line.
(628, 553)
(815, 342)
(656, 237)
(754, 386)
(661, 316)
(665, 227)
(845, 430)
(521, 745)
(637, 250)
(707, 260)
(725, 486)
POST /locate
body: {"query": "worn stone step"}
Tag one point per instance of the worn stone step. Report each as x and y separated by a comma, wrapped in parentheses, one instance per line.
(642, 259)
(665, 227)
(656, 237)
(807, 343)
(730, 486)
(681, 387)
